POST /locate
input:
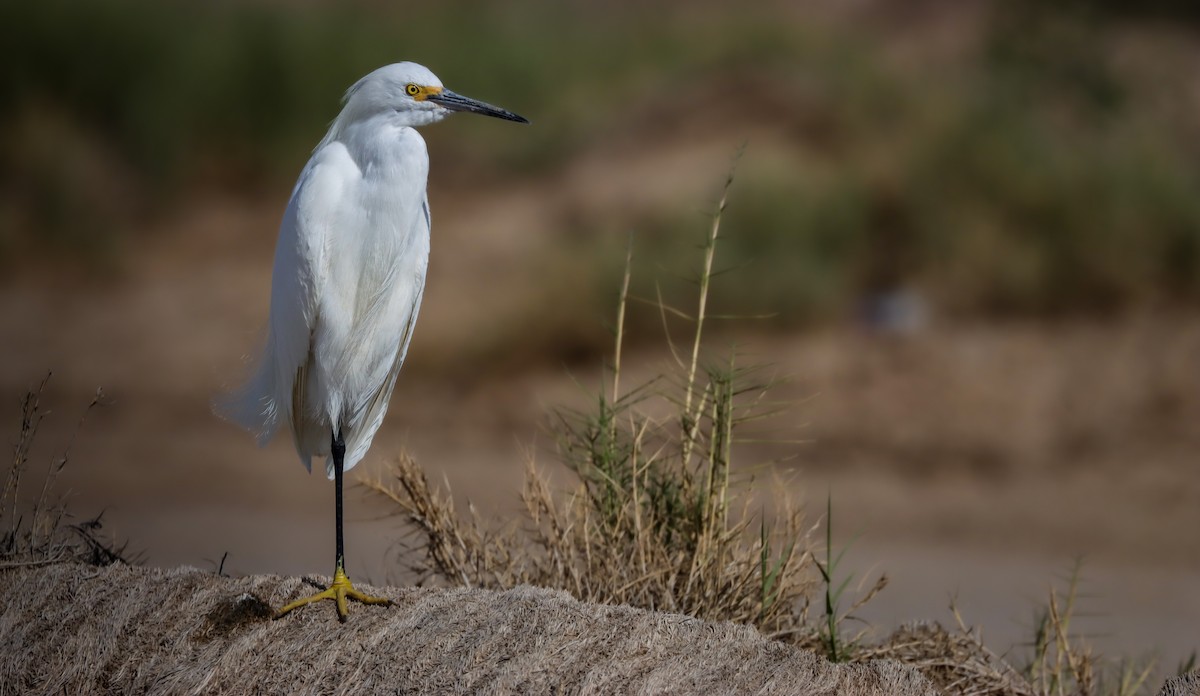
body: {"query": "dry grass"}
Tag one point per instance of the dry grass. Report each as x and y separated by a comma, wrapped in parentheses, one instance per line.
(563, 546)
(956, 661)
(40, 534)
(1060, 662)
(655, 519)
(1183, 685)
(1063, 663)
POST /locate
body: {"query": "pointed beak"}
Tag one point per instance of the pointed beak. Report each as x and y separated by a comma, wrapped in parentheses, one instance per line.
(457, 102)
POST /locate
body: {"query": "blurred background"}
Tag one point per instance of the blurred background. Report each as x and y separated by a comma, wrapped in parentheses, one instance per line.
(967, 232)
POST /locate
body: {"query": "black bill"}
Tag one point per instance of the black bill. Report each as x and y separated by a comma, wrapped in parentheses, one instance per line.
(457, 102)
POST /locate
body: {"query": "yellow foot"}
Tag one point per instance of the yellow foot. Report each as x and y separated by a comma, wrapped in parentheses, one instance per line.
(340, 591)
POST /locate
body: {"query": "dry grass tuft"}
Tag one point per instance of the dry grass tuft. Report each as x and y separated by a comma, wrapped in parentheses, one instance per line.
(41, 534)
(564, 546)
(1061, 663)
(957, 662)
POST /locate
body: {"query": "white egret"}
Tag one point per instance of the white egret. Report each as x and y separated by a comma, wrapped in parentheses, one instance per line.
(347, 282)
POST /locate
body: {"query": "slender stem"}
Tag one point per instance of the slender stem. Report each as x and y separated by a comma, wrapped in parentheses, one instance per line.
(616, 391)
(338, 451)
(691, 424)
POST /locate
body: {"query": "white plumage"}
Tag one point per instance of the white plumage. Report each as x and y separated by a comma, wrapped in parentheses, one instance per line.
(349, 269)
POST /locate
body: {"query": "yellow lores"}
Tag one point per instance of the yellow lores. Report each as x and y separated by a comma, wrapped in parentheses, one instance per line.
(420, 92)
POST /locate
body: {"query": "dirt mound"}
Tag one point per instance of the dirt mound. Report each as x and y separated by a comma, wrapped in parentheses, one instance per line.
(121, 629)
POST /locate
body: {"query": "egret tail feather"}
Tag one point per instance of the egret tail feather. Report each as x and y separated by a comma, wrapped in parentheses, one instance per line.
(252, 405)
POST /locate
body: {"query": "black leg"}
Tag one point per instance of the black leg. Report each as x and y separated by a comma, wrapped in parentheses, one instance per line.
(341, 589)
(338, 451)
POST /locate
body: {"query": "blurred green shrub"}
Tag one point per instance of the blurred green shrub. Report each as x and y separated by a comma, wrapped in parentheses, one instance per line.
(1045, 172)
(1041, 177)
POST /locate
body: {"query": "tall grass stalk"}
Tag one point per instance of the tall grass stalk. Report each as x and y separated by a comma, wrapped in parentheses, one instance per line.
(830, 635)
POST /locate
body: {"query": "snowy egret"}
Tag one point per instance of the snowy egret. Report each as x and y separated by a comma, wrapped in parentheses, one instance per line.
(347, 282)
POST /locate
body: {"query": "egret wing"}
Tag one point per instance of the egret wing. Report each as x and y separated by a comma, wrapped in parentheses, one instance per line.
(365, 422)
(298, 283)
(276, 394)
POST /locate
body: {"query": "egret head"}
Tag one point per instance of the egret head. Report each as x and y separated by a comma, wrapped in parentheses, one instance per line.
(415, 95)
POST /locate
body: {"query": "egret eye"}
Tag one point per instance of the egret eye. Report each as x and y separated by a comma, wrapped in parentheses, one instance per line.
(412, 90)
